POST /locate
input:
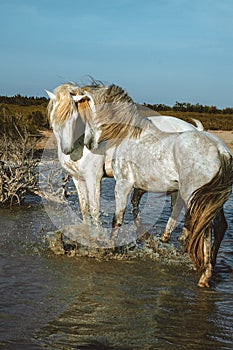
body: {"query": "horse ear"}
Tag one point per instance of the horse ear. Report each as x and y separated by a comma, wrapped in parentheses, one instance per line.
(78, 98)
(51, 95)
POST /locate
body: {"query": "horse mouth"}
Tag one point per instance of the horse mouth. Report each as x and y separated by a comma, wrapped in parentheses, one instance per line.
(67, 151)
(90, 145)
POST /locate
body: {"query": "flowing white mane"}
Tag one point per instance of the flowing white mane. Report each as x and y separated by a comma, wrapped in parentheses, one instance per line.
(116, 115)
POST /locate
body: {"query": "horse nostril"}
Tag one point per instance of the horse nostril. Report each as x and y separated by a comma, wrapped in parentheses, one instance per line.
(66, 150)
(87, 142)
(88, 145)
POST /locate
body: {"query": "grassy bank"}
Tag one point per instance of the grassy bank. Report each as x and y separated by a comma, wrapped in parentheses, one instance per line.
(33, 117)
(209, 121)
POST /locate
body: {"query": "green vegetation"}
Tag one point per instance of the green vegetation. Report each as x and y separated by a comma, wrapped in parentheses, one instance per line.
(28, 112)
(188, 107)
(23, 100)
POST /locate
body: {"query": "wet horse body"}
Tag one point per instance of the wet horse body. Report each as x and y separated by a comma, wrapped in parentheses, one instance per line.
(196, 164)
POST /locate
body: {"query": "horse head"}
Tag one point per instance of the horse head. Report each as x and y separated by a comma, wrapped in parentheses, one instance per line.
(64, 116)
(88, 111)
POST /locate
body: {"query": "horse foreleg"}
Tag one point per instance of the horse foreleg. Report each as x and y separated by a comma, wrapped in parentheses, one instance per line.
(220, 227)
(83, 198)
(93, 186)
(122, 190)
(207, 271)
(176, 210)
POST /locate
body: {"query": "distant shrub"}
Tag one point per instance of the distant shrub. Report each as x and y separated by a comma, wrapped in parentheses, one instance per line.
(23, 100)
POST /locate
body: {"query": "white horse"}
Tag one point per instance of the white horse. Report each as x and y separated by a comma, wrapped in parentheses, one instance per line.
(85, 167)
(196, 164)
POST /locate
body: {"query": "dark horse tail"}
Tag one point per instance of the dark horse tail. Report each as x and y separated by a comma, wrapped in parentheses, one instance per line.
(204, 205)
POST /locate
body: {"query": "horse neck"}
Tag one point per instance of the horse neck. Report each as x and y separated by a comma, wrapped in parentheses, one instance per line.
(122, 122)
(115, 116)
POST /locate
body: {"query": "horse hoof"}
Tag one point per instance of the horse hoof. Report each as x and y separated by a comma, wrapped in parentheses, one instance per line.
(143, 237)
(203, 284)
(164, 239)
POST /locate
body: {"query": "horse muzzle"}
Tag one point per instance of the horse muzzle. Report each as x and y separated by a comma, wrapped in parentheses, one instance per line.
(90, 145)
(67, 150)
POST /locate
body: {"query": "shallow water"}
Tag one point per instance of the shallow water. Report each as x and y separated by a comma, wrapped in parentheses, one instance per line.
(56, 302)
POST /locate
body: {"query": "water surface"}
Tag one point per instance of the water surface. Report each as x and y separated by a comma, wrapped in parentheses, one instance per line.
(56, 302)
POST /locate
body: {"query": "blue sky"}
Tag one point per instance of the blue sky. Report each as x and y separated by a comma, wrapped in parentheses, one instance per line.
(160, 51)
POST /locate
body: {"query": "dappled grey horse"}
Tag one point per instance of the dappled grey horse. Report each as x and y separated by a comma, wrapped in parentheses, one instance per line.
(196, 164)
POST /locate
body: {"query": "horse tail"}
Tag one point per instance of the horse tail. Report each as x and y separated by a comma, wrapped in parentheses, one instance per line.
(199, 125)
(203, 207)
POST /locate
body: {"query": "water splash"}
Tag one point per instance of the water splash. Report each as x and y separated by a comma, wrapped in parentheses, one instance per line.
(147, 247)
